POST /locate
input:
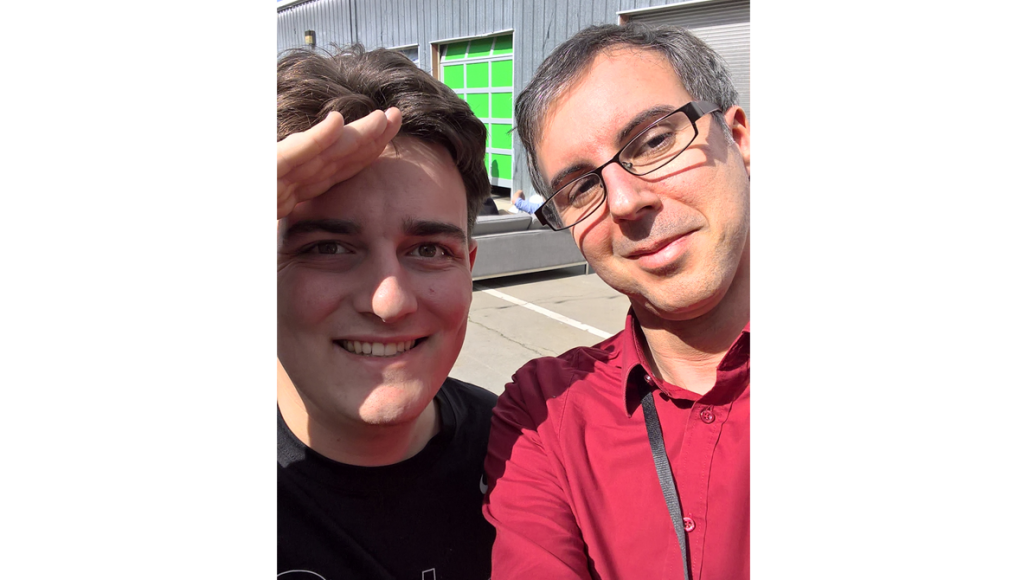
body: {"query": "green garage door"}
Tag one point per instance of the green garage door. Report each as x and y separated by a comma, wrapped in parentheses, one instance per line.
(481, 71)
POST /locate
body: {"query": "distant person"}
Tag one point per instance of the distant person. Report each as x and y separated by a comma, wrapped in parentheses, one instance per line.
(521, 204)
(379, 453)
(635, 137)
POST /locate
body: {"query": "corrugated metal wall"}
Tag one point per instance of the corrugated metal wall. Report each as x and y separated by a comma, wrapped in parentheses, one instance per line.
(391, 23)
(538, 25)
(726, 26)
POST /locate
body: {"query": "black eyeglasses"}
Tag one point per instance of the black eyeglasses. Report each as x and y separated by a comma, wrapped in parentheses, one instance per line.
(658, 144)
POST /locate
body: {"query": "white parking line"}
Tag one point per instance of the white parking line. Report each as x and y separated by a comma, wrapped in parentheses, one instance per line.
(544, 312)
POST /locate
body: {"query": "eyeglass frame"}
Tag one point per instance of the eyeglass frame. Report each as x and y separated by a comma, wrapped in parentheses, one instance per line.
(694, 110)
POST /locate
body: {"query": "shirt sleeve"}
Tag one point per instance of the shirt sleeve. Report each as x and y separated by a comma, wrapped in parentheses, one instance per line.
(526, 206)
(536, 532)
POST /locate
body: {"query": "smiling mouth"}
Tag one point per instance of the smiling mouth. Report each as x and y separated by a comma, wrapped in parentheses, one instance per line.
(378, 349)
(656, 251)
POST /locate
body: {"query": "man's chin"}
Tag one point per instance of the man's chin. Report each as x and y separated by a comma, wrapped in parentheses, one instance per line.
(679, 311)
(679, 303)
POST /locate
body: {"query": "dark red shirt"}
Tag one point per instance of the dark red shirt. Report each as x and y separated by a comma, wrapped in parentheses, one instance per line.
(573, 491)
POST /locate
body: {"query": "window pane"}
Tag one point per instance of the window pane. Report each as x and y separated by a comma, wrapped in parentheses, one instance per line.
(502, 73)
(480, 47)
(478, 75)
(500, 166)
(479, 103)
(411, 53)
(453, 76)
(503, 45)
(502, 106)
(501, 136)
(455, 50)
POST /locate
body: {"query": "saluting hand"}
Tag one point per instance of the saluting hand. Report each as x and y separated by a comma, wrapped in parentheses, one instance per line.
(309, 163)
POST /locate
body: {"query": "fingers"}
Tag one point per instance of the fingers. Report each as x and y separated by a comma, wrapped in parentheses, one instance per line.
(328, 153)
(361, 143)
(298, 148)
(372, 131)
(348, 147)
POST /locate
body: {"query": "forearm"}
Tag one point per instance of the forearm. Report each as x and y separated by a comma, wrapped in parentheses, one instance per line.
(526, 206)
(536, 532)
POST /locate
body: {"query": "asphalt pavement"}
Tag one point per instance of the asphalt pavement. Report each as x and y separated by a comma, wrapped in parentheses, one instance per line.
(517, 318)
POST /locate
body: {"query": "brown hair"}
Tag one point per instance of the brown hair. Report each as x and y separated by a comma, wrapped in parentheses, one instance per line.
(355, 82)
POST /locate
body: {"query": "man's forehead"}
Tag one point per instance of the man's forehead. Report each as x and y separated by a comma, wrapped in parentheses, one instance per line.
(407, 165)
(618, 55)
(412, 182)
(616, 90)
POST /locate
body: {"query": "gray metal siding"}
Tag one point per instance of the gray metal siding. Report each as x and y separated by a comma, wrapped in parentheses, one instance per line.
(538, 26)
(724, 25)
(390, 23)
(330, 19)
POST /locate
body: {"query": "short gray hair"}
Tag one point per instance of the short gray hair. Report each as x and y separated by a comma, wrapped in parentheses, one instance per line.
(702, 71)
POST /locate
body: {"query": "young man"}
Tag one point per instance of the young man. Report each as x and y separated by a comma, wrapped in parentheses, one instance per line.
(379, 452)
(634, 137)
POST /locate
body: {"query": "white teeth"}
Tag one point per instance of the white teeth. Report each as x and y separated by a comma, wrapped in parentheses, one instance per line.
(377, 348)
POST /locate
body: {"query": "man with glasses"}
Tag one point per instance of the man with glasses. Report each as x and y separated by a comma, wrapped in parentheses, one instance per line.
(629, 459)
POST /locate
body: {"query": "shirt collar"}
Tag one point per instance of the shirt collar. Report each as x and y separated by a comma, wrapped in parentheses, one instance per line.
(732, 374)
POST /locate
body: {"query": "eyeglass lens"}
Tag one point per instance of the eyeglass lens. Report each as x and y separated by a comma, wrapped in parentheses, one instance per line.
(656, 146)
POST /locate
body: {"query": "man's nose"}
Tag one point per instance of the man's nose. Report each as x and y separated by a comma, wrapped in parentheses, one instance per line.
(389, 290)
(627, 195)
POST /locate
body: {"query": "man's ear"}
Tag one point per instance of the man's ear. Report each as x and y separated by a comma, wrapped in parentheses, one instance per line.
(473, 247)
(737, 120)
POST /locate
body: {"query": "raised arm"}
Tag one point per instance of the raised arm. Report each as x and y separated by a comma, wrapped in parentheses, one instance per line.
(536, 533)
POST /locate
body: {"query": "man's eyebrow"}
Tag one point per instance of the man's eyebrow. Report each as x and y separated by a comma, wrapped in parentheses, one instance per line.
(339, 227)
(563, 173)
(622, 138)
(424, 228)
(648, 114)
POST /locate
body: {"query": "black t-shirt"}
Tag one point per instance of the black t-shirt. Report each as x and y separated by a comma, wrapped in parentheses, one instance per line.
(420, 519)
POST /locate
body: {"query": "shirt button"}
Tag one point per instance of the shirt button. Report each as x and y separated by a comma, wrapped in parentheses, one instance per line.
(689, 524)
(707, 415)
(648, 379)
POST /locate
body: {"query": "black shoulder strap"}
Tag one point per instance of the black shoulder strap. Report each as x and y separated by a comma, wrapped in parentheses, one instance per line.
(666, 479)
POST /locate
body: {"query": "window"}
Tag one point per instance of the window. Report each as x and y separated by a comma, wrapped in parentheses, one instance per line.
(409, 51)
(481, 71)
